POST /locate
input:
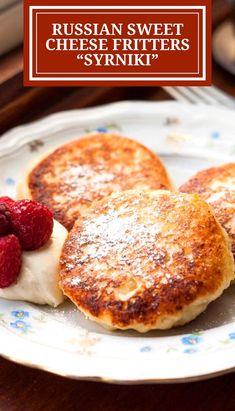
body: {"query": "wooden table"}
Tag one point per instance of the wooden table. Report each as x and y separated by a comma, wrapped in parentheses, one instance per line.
(25, 389)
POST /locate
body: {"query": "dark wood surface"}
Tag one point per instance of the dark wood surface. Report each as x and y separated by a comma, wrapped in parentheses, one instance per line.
(25, 389)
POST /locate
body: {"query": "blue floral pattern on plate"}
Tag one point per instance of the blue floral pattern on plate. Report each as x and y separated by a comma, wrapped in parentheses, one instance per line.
(20, 314)
(191, 340)
(9, 181)
(146, 348)
(21, 326)
(231, 336)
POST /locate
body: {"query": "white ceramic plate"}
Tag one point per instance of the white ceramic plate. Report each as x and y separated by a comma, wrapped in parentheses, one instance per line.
(188, 138)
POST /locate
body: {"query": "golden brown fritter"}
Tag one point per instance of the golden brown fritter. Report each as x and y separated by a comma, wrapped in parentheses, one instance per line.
(146, 260)
(217, 187)
(73, 176)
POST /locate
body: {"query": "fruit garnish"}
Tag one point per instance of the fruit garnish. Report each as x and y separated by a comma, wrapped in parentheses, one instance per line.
(5, 219)
(10, 260)
(7, 200)
(32, 223)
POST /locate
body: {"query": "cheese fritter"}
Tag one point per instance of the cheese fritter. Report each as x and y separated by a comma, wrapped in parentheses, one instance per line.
(149, 260)
(73, 176)
(216, 186)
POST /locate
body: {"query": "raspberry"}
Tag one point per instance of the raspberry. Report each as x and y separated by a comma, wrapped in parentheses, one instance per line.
(10, 260)
(5, 219)
(7, 200)
(32, 223)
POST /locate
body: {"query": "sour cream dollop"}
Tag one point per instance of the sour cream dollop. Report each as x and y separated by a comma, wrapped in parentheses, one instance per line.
(38, 279)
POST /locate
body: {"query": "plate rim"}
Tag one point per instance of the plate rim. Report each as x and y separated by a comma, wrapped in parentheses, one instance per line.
(104, 378)
(101, 109)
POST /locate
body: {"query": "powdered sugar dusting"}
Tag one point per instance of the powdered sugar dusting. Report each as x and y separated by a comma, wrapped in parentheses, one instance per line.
(95, 179)
(128, 241)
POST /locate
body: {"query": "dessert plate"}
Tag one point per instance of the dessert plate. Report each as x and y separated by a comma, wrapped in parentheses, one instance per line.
(187, 138)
